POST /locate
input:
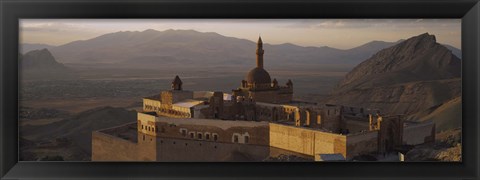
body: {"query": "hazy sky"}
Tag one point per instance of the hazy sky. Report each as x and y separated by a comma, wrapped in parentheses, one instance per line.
(338, 33)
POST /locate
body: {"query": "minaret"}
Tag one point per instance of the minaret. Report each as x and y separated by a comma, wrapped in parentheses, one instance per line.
(275, 83)
(289, 83)
(177, 84)
(260, 53)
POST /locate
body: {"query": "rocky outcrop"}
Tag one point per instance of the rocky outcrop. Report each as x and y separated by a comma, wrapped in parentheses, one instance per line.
(447, 147)
(41, 65)
(419, 58)
(40, 60)
(412, 76)
(27, 47)
(405, 98)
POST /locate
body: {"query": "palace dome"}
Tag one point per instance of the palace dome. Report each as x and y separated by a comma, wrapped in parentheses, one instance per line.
(258, 75)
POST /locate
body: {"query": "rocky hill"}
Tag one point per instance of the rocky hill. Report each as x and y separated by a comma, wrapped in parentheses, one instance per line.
(447, 147)
(27, 47)
(446, 116)
(40, 60)
(412, 76)
(416, 59)
(40, 64)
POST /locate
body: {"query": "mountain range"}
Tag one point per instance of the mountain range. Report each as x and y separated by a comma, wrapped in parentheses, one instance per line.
(152, 48)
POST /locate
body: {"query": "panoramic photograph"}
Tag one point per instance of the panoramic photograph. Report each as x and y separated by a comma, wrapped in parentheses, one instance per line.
(240, 90)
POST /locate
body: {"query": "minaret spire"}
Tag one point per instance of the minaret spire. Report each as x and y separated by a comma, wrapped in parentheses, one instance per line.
(260, 52)
(177, 83)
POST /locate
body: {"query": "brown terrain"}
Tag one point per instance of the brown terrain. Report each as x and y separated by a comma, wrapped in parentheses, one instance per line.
(447, 147)
(70, 137)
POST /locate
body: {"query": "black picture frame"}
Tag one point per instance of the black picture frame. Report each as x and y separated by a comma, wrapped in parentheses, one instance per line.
(13, 10)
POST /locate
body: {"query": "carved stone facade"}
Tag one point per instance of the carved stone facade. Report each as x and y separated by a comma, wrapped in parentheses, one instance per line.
(390, 134)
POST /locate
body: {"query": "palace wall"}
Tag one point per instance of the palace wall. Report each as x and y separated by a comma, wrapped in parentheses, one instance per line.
(355, 125)
(257, 134)
(106, 147)
(172, 139)
(306, 141)
(174, 96)
(362, 143)
(331, 118)
(170, 149)
(247, 132)
(272, 96)
(420, 133)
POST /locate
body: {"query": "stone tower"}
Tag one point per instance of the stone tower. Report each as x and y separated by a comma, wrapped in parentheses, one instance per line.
(260, 52)
(275, 83)
(290, 84)
(258, 78)
(177, 83)
(216, 104)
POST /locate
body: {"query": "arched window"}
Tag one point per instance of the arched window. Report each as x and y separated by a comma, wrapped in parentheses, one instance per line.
(192, 135)
(207, 136)
(199, 135)
(235, 138)
(215, 137)
(246, 139)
